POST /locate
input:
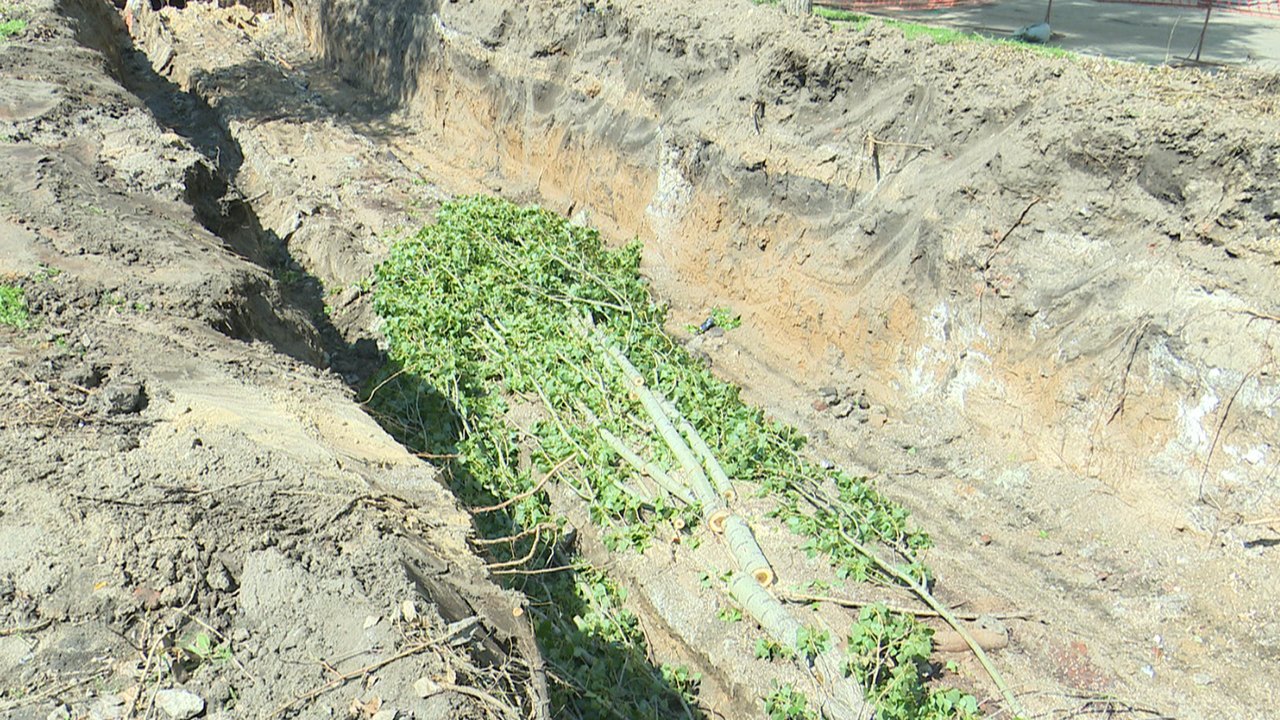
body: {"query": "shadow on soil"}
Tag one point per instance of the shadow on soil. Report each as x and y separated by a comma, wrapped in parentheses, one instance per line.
(589, 676)
(300, 327)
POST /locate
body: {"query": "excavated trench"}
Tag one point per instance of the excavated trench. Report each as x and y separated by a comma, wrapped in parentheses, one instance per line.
(1034, 297)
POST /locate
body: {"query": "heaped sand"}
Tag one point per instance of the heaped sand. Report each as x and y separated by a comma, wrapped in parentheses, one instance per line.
(1033, 297)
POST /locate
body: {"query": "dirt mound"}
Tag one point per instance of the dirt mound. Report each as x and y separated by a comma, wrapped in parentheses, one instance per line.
(189, 498)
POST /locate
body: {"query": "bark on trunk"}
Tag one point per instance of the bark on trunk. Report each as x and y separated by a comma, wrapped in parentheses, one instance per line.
(797, 7)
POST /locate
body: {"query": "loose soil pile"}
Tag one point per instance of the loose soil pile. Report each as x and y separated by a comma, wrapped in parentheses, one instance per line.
(189, 501)
(1034, 298)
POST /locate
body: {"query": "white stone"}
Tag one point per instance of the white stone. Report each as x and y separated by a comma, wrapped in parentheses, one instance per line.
(426, 687)
(179, 704)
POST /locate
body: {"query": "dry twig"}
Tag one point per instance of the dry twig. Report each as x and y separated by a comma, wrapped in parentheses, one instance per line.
(1018, 223)
(35, 698)
(1217, 433)
(1262, 521)
(512, 538)
(344, 678)
(538, 571)
(503, 709)
(851, 603)
(533, 549)
(24, 629)
(531, 491)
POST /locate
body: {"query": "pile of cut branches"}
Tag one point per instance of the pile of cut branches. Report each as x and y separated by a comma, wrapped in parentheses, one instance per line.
(496, 314)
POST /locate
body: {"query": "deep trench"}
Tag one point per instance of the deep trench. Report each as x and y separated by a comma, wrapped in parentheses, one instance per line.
(270, 312)
(776, 205)
(288, 314)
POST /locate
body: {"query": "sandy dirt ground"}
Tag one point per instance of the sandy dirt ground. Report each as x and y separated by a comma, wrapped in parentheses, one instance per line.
(195, 516)
(1042, 318)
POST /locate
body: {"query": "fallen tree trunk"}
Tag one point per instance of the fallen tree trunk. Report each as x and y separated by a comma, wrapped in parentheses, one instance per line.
(846, 698)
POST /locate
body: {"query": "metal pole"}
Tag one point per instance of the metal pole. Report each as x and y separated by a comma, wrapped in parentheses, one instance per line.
(1208, 8)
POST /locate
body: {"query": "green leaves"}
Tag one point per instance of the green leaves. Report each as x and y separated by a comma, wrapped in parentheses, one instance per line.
(200, 648)
(787, 703)
(769, 649)
(887, 651)
(811, 643)
(13, 308)
(488, 374)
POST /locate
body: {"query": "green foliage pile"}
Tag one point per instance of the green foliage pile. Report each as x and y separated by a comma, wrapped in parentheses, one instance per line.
(787, 703)
(13, 308)
(489, 365)
(11, 22)
(887, 652)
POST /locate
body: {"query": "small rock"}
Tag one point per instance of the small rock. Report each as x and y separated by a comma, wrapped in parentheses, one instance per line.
(62, 712)
(408, 611)
(984, 539)
(108, 707)
(148, 596)
(385, 715)
(426, 687)
(370, 621)
(121, 397)
(86, 375)
(179, 704)
(218, 578)
(829, 395)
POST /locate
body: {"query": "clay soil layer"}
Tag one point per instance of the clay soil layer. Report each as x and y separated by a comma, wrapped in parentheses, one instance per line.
(1035, 298)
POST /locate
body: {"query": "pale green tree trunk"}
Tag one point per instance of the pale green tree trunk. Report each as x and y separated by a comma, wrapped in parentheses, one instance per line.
(797, 7)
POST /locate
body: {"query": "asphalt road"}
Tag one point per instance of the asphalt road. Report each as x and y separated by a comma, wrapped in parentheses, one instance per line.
(1123, 31)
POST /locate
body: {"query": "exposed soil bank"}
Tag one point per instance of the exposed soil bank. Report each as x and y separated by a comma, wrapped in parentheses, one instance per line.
(1084, 274)
(1058, 277)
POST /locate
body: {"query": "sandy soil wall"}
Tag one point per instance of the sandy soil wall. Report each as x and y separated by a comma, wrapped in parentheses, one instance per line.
(1074, 258)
